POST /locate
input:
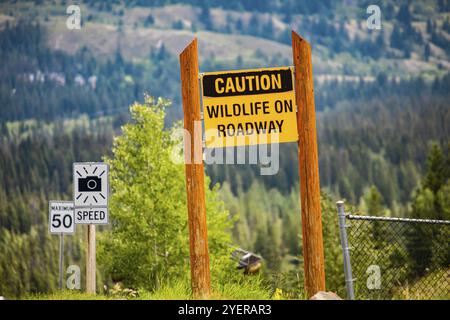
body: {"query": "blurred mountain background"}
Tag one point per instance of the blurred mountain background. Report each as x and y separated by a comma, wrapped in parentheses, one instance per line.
(382, 98)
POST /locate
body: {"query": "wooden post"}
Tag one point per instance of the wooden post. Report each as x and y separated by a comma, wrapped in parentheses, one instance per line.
(195, 185)
(90, 260)
(308, 167)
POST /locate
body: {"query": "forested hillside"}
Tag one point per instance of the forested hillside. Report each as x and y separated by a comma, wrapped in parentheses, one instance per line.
(382, 98)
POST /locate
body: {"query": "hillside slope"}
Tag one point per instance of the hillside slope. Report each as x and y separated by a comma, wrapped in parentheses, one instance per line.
(342, 45)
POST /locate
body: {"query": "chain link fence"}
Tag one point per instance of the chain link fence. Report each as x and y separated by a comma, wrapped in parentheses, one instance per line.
(395, 258)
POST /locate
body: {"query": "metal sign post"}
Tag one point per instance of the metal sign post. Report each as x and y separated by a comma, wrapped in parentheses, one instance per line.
(61, 221)
(61, 259)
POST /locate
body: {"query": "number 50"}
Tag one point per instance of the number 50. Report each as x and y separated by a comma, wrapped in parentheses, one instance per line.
(66, 221)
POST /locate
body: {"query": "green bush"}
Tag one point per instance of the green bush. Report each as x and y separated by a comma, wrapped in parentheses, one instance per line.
(148, 246)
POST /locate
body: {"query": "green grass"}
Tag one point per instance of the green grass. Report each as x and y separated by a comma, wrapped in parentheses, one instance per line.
(430, 287)
(251, 289)
(229, 291)
(67, 295)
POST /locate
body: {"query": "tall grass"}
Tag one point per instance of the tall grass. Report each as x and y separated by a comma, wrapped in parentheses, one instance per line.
(247, 289)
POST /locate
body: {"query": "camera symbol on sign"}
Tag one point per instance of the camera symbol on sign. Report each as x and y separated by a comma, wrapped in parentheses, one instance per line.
(90, 184)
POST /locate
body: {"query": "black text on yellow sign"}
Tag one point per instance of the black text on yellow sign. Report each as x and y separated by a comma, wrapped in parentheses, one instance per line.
(248, 107)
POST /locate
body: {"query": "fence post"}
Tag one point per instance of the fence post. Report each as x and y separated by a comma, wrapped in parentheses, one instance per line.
(345, 251)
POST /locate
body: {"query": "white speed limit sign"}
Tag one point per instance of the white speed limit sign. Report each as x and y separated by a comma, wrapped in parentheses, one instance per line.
(61, 217)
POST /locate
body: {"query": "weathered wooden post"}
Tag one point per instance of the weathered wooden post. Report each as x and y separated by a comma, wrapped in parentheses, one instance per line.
(195, 185)
(308, 167)
(90, 260)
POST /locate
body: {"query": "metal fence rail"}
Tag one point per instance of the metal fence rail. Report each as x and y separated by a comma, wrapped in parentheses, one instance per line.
(395, 258)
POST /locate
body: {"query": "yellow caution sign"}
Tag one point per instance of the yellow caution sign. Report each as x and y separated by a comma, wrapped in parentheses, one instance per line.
(248, 107)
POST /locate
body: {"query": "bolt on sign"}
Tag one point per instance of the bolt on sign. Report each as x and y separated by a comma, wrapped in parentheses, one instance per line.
(249, 107)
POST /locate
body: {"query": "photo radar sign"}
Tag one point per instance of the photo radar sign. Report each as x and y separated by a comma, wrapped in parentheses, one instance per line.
(90, 192)
(249, 107)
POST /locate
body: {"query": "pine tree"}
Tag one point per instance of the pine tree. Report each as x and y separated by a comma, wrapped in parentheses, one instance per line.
(436, 175)
(375, 208)
(430, 26)
(254, 25)
(268, 29)
(205, 17)
(150, 20)
(427, 52)
(430, 201)
(374, 202)
(404, 14)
